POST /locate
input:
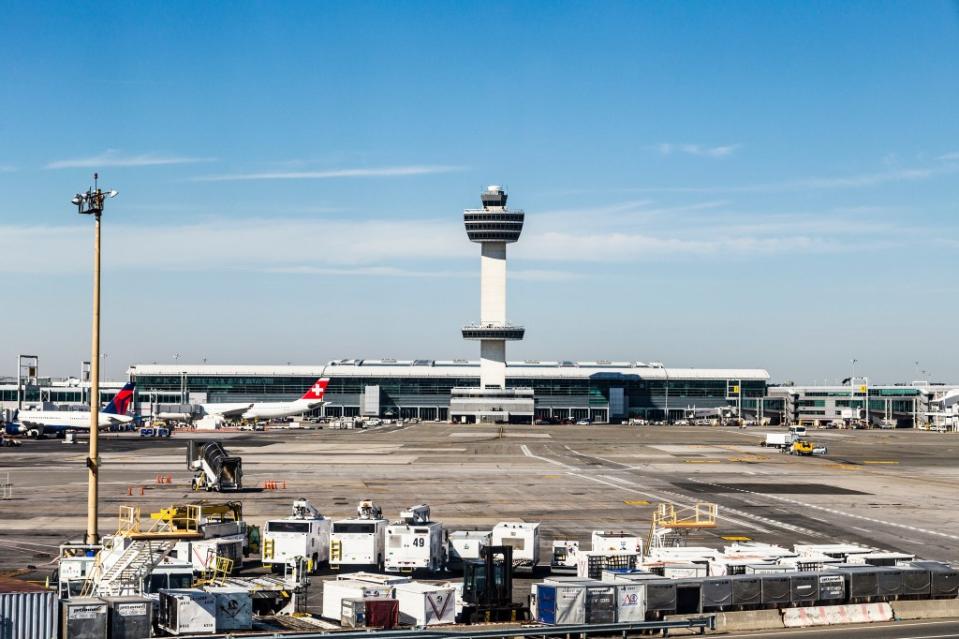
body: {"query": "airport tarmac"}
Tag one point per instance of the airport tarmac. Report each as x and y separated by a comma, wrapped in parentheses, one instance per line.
(896, 490)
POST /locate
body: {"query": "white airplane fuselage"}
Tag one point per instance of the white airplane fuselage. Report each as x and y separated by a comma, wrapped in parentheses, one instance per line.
(74, 420)
(262, 410)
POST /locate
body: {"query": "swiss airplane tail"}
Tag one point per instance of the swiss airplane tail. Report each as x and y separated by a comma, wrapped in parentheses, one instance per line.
(121, 401)
(317, 390)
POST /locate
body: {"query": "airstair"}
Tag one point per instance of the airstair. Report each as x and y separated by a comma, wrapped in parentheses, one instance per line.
(128, 558)
(671, 523)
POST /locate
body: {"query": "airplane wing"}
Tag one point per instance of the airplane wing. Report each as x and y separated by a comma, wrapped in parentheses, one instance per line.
(226, 410)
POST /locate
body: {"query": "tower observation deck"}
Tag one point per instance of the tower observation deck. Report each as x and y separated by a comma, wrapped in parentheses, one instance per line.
(493, 227)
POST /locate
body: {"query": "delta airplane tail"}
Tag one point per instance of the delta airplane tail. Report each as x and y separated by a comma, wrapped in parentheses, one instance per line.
(121, 401)
(317, 390)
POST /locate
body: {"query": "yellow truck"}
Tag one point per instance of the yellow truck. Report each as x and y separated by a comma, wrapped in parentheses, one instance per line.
(806, 448)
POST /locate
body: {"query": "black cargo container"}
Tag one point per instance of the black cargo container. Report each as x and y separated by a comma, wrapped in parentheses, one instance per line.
(777, 591)
(832, 588)
(660, 596)
(600, 604)
(916, 582)
(862, 582)
(944, 578)
(747, 591)
(83, 618)
(888, 582)
(688, 596)
(804, 587)
(717, 593)
(129, 617)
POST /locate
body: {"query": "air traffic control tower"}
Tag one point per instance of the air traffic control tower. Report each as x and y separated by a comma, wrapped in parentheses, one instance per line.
(492, 227)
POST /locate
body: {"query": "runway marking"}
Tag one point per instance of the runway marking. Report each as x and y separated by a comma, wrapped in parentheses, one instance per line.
(528, 453)
(736, 538)
(881, 461)
(739, 513)
(832, 511)
(702, 461)
(636, 502)
(671, 501)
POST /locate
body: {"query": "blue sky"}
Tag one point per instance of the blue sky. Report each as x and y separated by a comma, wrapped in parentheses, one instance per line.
(757, 184)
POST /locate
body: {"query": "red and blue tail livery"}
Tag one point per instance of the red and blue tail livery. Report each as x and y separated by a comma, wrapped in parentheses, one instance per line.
(120, 403)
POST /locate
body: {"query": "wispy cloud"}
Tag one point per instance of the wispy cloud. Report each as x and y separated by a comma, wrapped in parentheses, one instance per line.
(854, 181)
(114, 158)
(630, 232)
(387, 171)
(7, 168)
(699, 150)
(949, 157)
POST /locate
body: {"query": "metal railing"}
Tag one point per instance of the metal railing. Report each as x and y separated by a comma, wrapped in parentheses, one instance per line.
(703, 624)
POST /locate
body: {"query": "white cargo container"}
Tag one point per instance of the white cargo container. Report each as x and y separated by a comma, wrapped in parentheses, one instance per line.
(234, 608)
(416, 543)
(630, 602)
(423, 604)
(375, 578)
(465, 545)
(306, 533)
(359, 541)
(616, 541)
(187, 612)
(522, 536)
(335, 591)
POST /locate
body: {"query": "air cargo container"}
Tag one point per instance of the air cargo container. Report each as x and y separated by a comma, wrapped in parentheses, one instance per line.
(832, 588)
(423, 604)
(776, 590)
(334, 592)
(373, 612)
(187, 612)
(747, 591)
(27, 610)
(944, 578)
(523, 537)
(916, 582)
(717, 593)
(576, 603)
(630, 602)
(804, 587)
(234, 608)
(375, 578)
(129, 617)
(83, 618)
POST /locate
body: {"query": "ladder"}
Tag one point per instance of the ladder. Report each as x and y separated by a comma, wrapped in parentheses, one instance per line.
(125, 576)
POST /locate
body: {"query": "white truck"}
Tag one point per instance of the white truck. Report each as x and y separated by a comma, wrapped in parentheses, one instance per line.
(359, 541)
(564, 553)
(616, 541)
(523, 537)
(465, 545)
(415, 543)
(781, 441)
(305, 533)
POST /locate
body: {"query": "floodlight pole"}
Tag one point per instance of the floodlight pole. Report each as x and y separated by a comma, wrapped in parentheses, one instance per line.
(91, 203)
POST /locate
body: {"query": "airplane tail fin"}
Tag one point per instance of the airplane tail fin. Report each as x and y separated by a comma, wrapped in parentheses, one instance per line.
(317, 390)
(121, 401)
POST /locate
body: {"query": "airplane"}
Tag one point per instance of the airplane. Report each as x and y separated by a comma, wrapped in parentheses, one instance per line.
(312, 398)
(36, 423)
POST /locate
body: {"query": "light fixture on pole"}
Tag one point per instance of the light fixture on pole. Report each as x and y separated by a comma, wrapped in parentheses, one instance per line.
(91, 203)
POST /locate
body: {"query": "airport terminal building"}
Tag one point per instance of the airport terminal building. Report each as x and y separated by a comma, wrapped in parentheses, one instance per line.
(600, 391)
